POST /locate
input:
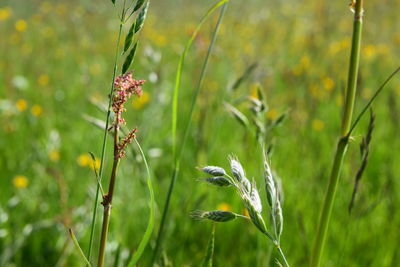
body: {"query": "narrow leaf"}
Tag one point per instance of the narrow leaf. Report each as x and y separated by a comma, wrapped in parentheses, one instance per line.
(242, 119)
(141, 17)
(129, 59)
(150, 225)
(179, 73)
(129, 37)
(364, 149)
(95, 172)
(138, 5)
(208, 259)
(244, 76)
(76, 243)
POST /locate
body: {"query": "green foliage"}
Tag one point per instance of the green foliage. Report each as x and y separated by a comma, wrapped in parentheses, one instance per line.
(63, 60)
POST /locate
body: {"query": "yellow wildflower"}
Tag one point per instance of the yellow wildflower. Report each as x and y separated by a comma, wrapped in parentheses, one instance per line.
(5, 13)
(369, 51)
(161, 40)
(84, 160)
(20, 25)
(21, 104)
(345, 43)
(43, 80)
(254, 90)
(95, 164)
(54, 155)
(224, 206)
(328, 83)
(318, 125)
(20, 181)
(272, 114)
(36, 110)
(245, 212)
(138, 103)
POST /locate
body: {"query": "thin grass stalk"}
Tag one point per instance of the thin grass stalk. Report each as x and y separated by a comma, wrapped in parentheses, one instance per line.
(104, 144)
(283, 256)
(150, 226)
(326, 210)
(78, 247)
(177, 156)
(107, 200)
(103, 152)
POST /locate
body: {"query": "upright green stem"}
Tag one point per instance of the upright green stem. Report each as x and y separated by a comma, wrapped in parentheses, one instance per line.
(107, 200)
(283, 256)
(343, 141)
(353, 68)
(104, 145)
(177, 156)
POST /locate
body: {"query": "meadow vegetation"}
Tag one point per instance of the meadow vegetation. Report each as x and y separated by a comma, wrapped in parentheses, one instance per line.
(56, 66)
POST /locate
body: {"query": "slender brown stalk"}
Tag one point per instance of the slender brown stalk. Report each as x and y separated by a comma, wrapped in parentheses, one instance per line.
(107, 199)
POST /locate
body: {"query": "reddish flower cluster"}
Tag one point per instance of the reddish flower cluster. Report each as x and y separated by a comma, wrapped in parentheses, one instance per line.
(124, 142)
(124, 86)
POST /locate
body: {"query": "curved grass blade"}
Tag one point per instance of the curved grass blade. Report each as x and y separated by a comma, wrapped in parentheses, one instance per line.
(95, 172)
(246, 74)
(372, 100)
(129, 37)
(104, 145)
(141, 17)
(175, 111)
(239, 116)
(138, 5)
(150, 226)
(76, 243)
(208, 259)
(129, 59)
(179, 72)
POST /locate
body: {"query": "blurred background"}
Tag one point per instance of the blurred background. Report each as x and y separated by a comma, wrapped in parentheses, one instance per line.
(56, 61)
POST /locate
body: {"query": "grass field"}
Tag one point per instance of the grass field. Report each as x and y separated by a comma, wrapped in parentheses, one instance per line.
(56, 63)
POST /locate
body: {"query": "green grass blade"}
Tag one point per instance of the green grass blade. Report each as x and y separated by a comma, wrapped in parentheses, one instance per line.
(208, 259)
(104, 146)
(175, 112)
(359, 116)
(180, 69)
(76, 243)
(150, 226)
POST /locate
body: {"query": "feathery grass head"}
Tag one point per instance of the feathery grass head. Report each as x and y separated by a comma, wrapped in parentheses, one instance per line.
(218, 181)
(214, 170)
(269, 182)
(214, 215)
(239, 174)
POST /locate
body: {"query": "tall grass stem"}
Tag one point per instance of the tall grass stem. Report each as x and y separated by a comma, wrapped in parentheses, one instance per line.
(177, 156)
(104, 145)
(326, 210)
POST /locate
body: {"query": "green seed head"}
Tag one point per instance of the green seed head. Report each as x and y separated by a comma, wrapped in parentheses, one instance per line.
(214, 170)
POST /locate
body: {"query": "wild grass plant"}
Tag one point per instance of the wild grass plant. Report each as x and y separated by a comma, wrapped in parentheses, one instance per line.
(123, 87)
(57, 58)
(250, 196)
